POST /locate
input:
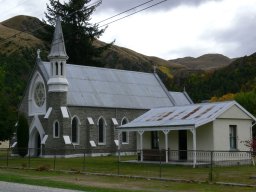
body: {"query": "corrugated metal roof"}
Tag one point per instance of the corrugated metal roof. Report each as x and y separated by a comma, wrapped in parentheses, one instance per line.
(180, 98)
(188, 115)
(102, 87)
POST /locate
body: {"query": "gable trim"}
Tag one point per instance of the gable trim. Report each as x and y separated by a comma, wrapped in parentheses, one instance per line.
(233, 103)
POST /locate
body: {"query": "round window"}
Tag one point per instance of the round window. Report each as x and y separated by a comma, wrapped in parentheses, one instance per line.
(39, 94)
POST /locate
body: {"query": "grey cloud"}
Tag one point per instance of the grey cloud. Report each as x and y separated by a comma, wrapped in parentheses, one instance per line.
(243, 34)
(122, 5)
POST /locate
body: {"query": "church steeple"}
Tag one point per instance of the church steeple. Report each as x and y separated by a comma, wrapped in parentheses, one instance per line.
(58, 46)
(58, 57)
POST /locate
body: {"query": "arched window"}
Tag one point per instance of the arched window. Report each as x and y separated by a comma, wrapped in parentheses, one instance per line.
(52, 66)
(101, 133)
(125, 138)
(57, 68)
(61, 68)
(74, 131)
(56, 129)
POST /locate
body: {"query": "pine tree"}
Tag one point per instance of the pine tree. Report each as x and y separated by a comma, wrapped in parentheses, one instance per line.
(79, 34)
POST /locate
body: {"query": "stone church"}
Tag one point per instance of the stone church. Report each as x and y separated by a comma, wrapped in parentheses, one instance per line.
(71, 107)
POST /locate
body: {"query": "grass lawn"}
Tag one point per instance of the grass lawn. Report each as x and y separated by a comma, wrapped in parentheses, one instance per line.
(106, 183)
(110, 165)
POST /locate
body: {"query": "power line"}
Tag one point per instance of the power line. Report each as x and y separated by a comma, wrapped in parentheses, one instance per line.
(133, 13)
(124, 11)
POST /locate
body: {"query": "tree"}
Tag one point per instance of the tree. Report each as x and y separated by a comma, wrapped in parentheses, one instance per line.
(79, 34)
(251, 144)
(247, 100)
(7, 112)
(22, 135)
(14, 74)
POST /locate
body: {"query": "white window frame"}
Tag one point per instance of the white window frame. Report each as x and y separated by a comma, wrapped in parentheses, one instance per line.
(233, 128)
(78, 130)
(104, 131)
(53, 131)
(127, 133)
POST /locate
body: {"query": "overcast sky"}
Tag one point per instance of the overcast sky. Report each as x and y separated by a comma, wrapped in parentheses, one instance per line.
(171, 29)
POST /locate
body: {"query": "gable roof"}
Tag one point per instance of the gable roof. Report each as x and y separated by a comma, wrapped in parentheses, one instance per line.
(181, 98)
(102, 87)
(183, 116)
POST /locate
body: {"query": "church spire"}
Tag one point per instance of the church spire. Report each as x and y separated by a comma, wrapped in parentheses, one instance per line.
(58, 45)
(58, 57)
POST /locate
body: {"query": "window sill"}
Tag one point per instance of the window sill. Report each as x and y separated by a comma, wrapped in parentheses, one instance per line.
(101, 143)
(75, 143)
(233, 150)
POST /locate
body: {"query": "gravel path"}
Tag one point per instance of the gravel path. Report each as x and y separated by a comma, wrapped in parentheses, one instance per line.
(14, 187)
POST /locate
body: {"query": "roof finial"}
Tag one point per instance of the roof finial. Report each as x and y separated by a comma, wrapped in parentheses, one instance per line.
(38, 53)
(184, 89)
(154, 68)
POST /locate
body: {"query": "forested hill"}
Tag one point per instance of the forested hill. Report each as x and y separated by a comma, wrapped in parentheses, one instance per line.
(239, 76)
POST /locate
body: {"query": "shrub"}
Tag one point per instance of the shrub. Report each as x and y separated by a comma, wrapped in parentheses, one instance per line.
(22, 135)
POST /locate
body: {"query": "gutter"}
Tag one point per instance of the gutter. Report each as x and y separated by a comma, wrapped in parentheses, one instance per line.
(164, 88)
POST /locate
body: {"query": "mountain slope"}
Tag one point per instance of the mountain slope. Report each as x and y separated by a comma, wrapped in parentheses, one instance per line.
(12, 40)
(238, 76)
(123, 58)
(205, 62)
(27, 24)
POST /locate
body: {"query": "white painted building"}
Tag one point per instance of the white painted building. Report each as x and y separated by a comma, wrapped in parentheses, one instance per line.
(196, 127)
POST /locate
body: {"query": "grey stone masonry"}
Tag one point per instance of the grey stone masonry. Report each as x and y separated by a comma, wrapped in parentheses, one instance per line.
(90, 132)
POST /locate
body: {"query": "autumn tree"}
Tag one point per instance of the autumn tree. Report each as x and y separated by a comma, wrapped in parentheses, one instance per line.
(80, 35)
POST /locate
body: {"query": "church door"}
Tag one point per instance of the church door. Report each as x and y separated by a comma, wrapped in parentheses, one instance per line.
(35, 145)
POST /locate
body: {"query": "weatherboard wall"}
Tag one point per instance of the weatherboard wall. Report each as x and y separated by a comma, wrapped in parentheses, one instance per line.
(221, 133)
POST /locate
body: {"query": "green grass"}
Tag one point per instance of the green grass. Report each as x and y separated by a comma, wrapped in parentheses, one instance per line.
(110, 165)
(41, 180)
(92, 183)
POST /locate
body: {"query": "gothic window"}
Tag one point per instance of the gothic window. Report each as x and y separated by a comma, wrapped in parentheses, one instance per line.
(101, 133)
(61, 68)
(125, 139)
(74, 131)
(39, 94)
(52, 71)
(56, 68)
(56, 130)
